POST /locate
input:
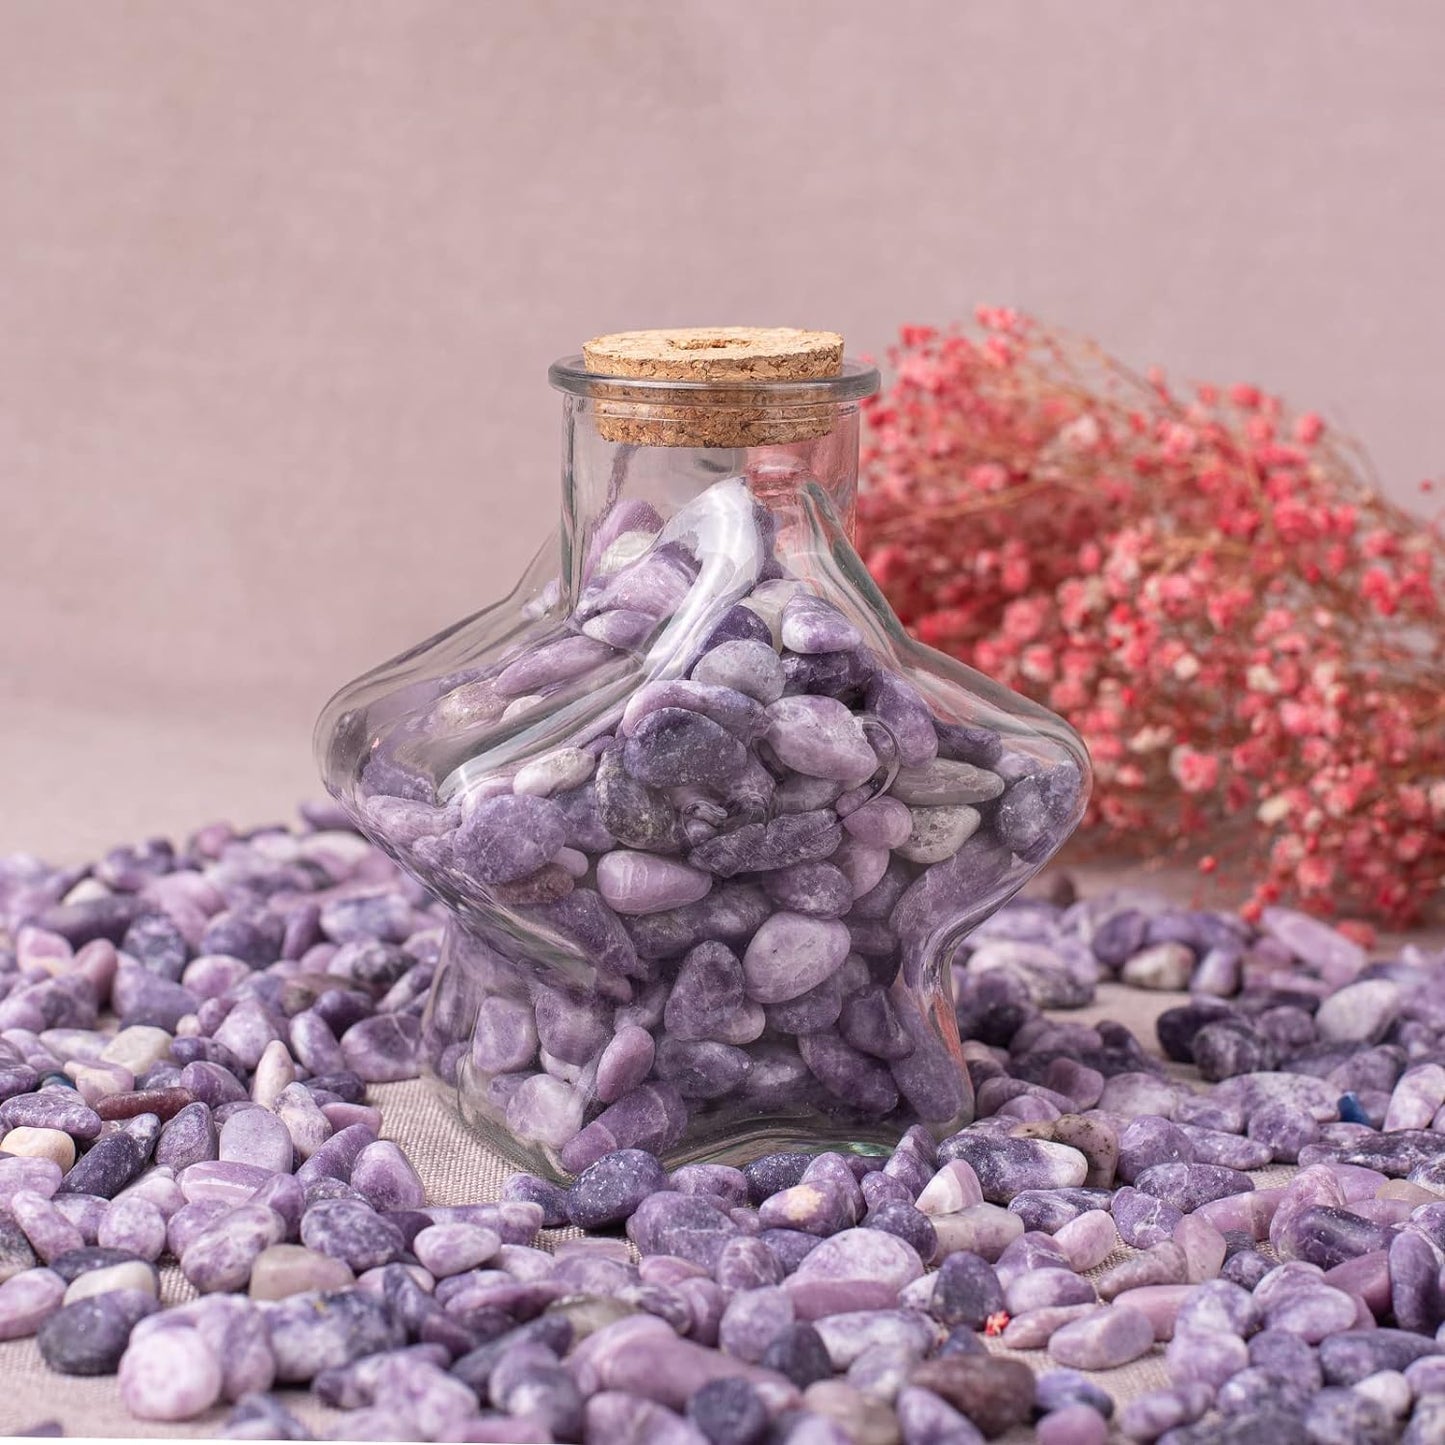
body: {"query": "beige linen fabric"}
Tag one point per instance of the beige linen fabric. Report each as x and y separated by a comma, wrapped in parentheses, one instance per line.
(457, 1169)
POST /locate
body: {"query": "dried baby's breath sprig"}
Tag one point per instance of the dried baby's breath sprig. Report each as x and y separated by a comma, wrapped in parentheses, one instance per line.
(1209, 587)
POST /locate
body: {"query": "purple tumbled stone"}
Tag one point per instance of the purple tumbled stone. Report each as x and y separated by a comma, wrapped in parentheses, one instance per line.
(752, 1320)
(61, 1109)
(686, 1225)
(313, 1332)
(930, 1077)
(551, 662)
(1415, 1264)
(504, 1036)
(545, 1110)
(707, 991)
(188, 1137)
(257, 1137)
(351, 1231)
(1006, 1166)
(650, 1117)
(644, 1357)
(1109, 1337)
(571, 1026)
(702, 1069)
(1146, 1417)
(609, 1191)
(855, 1078)
(549, 1197)
(820, 737)
(1187, 1186)
(170, 1375)
(790, 954)
(106, 1167)
(869, 1023)
(27, 1299)
(636, 882)
(221, 1258)
(625, 1062)
(1348, 1358)
(453, 1249)
(509, 837)
(1327, 1235)
(815, 1208)
(966, 1291)
(676, 747)
(386, 1179)
(134, 1225)
(616, 1415)
(810, 1012)
(746, 664)
(820, 890)
(856, 1269)
(1142, 1219)
(50, 1233)
(384, 1049)
(809, 625)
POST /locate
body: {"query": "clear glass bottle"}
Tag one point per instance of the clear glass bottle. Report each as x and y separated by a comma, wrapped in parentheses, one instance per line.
(710, 824)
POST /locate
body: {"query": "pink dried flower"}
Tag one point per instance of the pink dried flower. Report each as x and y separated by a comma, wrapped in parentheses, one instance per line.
(1206, 586)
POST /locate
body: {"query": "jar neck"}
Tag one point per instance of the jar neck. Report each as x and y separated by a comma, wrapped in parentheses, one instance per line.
(608, 484)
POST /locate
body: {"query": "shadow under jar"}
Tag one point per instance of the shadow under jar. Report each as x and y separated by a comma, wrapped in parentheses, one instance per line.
(709, 823)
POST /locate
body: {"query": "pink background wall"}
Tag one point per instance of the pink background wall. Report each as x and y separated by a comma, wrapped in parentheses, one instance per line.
(279, 283)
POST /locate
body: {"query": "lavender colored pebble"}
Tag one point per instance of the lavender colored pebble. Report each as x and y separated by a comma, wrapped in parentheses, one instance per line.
(1111, 1336)
(221, 1258)
(188, 1137)
(255, 1136)
(624, 1063)
(170, 1375)
(1073, 1425)
(310, 1333)
(749, 666)
(89, 1336)
(448, 1249)
(383, 1049)
(609, 1191)
(26, 1300)
(504, 1036)
(106, 1167)
(549, 1197)
(134, 1225)
(385, 1178)
(351, 1231)
(509, 837)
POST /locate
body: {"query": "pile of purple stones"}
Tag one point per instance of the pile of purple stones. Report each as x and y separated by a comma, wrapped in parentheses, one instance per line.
(187, 1038)
(752, 852)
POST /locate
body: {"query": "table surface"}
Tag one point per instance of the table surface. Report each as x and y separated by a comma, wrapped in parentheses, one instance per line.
(76, 786)
(456, 1168)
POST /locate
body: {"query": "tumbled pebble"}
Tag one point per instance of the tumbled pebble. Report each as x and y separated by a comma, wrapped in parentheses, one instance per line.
(1111, 1336)
(221, 1258)
(280, 1270)
(169, 1375)
(27, 1299)
(52, 1144)
(89, 1335)
(1073, 1425)
(134, 1224)
(994, 1393)
(256, 1137)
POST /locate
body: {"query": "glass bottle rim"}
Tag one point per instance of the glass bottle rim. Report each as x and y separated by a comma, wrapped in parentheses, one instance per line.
(854, 382)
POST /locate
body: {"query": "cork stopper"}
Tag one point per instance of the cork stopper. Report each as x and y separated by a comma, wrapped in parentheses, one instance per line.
(732, 385)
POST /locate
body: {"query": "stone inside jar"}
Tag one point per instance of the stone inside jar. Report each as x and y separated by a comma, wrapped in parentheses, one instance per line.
(725, 883)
